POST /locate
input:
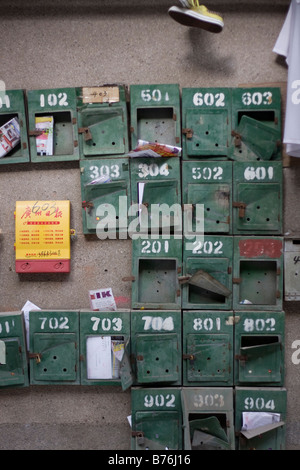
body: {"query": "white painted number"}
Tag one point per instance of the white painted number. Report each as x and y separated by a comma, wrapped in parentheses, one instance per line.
(207, 173)
(152, 170)
(259, 324)
(159, 400)
(257, 98)
(158, 323)
(53, 100)
(113, 171)
(207, 247)
(5, 101)
(54, 323)
(207, 324)
(106, 324)
(209, 99)
(259, 404)
(155, 246)
(259, 173)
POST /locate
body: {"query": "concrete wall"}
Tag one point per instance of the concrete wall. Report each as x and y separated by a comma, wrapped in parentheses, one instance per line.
(76, 43)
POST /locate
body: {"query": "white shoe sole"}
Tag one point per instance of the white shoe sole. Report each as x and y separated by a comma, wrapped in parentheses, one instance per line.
(188, 17)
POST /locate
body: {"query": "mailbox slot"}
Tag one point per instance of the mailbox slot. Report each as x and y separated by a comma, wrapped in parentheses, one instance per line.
(259, 348)
(13, 359)
(206, 122)
(102, 121)
(60, 104)
(12, 105)
(260, 415)
(156, 419)
(208, 418)
(54, 347)
(256, 124)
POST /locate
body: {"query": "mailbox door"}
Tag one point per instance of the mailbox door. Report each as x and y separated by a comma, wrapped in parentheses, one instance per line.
(54, 347)
(258, 273)
(157, 358)
(259, 348)
(156, 266)
(13, 362)
(104, 348)
(256, 124)
(257, 407)
(12, 105)
(208, 418)
(208, 184)
(102, 121)
(291, 269)
(59, 103)
(206, 119)
(208, 265)
(155, 114)
(156, 346)
(257, 205)
(207, 348)
(155, 184)
(105, 190)
(156, 419)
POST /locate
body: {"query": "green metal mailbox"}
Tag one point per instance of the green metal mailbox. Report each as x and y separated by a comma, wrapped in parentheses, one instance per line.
(156, 347)
(156, 194)
(206, 279)
(104, 348)
(259, 348)
(206, 123)
(102, 121)
(260, 415)
(257, 198)
(258, 273)
(52, 121)
(105, 190)
(54, 347)
(207, 344)
(12, 107)
(208, 184)
(155, 114)
(256, 124)
(208, 420)
(156, 419)
(156, 267)
(13, 355)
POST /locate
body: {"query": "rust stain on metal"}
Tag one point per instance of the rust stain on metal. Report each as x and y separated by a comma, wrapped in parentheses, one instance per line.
(260, 247)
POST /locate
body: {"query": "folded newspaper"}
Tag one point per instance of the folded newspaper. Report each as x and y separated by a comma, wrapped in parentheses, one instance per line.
(44, 141)
(9, 136)
(154, 149)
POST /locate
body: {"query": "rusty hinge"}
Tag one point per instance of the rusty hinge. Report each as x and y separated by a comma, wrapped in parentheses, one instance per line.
(174, 117)
(139, 436)
(241, 206)
(128, 278)
(87, 205)
(36, 132)
(74, 120)
(236, 280)
(241, 358)
(237, 138)
(36, 356)
(188, 132)
(24, 146)
(229, 270)
(140, 358)
(86, 133)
